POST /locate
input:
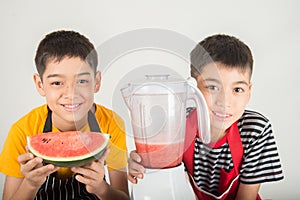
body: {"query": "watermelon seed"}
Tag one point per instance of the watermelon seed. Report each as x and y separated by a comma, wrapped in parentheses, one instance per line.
(44, 140)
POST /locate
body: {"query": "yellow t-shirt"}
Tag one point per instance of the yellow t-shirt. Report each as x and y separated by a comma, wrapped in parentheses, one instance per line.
(33, 124)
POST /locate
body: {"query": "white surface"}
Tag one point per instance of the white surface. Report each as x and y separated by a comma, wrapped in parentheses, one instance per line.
(167, 184)
(271, 28)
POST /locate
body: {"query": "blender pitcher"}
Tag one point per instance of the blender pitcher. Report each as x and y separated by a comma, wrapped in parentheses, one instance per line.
(157, 108)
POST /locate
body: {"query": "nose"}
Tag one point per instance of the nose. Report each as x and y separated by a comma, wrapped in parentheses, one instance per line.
(223, 99)
(69, 90)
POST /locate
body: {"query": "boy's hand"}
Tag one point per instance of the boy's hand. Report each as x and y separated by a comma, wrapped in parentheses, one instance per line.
(92, 175)
(33, 170)
(136, 170)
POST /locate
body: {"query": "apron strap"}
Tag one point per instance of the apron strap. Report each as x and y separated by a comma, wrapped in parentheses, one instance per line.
(48, 122)
(236, 148)
(235, 145)
(94, 126)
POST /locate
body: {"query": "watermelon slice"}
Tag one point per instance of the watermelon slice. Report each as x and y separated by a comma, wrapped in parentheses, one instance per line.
(68, 149)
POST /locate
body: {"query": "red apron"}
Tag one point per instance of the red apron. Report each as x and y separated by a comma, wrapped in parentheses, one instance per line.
(229, 181)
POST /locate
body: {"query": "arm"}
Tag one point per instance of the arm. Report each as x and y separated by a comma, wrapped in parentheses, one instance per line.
(261, 159)
(34, 176)
(17, 188)
(118, 180)
(247, 191)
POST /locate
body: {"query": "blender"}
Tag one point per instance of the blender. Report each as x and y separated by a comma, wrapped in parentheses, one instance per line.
(157, 106)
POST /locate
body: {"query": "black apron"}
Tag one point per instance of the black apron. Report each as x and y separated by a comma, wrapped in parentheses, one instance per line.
(68, 188)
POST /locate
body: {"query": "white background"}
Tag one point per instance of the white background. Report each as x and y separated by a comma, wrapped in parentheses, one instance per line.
(271, 28)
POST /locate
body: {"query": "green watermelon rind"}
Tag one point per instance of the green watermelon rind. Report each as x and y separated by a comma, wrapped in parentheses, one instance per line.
(72, 161)
(75, 163)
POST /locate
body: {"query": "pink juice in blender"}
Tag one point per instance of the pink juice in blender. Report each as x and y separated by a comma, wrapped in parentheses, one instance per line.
(157, 107)
(159, 156)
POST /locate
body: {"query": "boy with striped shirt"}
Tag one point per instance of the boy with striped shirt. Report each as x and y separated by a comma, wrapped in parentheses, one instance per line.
(242, 153)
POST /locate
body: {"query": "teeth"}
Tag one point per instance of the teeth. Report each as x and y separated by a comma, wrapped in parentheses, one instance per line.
(71, 106)
(221, 115)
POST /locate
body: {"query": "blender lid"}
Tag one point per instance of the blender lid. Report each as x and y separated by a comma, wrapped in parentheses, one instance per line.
(158, 84)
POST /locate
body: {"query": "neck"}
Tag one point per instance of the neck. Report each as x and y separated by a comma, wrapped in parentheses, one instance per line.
(64, 125)
(217, 134)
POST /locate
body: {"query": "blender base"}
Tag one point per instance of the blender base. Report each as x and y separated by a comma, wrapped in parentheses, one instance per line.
(165, 184)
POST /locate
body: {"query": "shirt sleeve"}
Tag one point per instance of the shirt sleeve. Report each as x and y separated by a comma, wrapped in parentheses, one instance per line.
(15, 143)
(261, 159)
(117, 158)
(14, 146)
(112, 123)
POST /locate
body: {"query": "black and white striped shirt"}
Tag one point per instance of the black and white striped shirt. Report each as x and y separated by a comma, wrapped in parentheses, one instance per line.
(260, 159)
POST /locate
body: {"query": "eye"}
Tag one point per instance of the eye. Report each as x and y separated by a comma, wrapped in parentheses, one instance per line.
(238, 90)
(57, 83)
(83, 81)
(212, 87)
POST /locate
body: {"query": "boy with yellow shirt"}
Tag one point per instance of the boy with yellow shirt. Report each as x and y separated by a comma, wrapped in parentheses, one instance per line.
(67, 77)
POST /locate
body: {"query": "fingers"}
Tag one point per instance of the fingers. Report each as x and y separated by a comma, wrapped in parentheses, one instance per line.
(135, 168)
(134, 164)
(36, 177)
(83, 179)
(135, 156)
(93, 170)
(132, 178)
(33, 170)
(46, 170)
(92, 175)
(24, 158)
(29, 163)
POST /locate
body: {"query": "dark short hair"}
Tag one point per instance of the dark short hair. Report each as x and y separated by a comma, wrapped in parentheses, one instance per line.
(225, 49)
(60, 44)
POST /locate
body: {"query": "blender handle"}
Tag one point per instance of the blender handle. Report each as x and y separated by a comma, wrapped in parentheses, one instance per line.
(127, 96)
(203, 114)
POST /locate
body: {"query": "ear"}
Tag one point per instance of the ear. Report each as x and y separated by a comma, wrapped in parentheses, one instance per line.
(250, 89)
(39, 84)
(97, 82)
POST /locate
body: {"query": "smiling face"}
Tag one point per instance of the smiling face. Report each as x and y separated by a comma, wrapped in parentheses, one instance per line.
(69, 86)
(227, 91)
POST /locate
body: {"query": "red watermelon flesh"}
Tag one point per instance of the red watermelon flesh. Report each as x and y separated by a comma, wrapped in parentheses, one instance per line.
(68, 149)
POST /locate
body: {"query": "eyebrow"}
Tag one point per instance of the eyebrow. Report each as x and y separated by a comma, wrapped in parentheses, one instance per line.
(218, 81)
(59, 75)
